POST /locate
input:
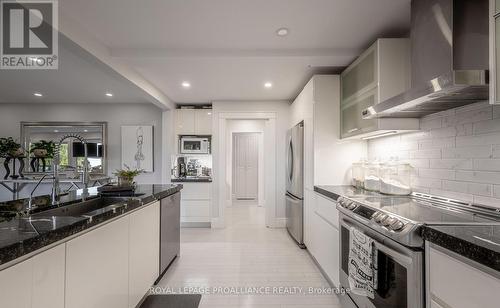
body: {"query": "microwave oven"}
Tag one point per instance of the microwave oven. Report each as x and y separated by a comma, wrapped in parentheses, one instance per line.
(194, 145)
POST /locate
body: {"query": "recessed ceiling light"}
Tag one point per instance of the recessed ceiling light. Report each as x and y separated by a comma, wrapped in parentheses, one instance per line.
(38, 94)
(282, 32)
(186, 84)
(109, 94)
(268, 85)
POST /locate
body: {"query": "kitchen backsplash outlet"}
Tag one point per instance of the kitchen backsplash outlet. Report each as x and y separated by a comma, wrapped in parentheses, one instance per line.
(455, 155)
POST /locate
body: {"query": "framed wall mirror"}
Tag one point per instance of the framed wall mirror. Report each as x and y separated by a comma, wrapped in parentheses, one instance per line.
(38, 134)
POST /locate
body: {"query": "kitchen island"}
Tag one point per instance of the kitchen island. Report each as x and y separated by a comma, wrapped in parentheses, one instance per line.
(105, 258)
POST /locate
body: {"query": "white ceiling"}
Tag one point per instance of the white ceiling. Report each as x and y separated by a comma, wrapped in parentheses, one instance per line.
(227, 49)
(81, 78)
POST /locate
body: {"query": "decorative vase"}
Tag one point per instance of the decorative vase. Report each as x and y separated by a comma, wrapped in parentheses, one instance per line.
(17, 153)
(40, 153)
(125, 181)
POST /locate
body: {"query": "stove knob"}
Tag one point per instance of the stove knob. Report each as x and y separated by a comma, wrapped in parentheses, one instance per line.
(381, 217)
(375, 215)
(389, 221)
(397, 226)
(352, 206)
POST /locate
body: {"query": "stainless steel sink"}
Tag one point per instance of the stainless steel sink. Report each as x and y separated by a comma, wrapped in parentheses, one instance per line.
(90, 207)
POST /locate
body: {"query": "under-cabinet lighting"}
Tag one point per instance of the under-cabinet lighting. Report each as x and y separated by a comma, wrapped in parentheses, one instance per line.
(380, 135)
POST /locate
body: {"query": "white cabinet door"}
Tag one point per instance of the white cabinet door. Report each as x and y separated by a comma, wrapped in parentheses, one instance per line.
(35, 283)
(327, 247)
(48, 278)
(15, 285)
(97, 267)
(144, 247)
(203, 121)
(455, 284)
(185, 121)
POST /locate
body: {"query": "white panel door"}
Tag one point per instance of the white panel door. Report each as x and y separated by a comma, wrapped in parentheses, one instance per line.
(97, 267)
(246, 156)
(144, 246)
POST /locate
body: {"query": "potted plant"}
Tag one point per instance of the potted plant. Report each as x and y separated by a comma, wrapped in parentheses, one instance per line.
(126, 176)
(10, 148)
(43, 149)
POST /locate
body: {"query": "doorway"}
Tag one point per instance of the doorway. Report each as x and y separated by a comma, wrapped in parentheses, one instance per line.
(245, 164)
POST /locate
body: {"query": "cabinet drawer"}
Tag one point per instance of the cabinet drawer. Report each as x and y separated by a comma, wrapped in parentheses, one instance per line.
(195, 208)
(196, 191)
(327, 209)
(458, 285)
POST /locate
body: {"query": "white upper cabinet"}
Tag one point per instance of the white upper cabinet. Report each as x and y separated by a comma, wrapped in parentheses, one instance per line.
(193, 121)
(203, 122)
(184, 121)
(381, 72)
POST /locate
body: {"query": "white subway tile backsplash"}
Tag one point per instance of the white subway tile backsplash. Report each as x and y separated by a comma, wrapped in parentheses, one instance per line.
(496, 151)
(496, 191)
(467, 187)
(468, 152)
(431, 123)
(478, 176)
(475, 115)
(487, 164)
(483, 139)
(489, 201)
(442, 174)
(459, 164)
(438, 143)
(487, 127)
(433, 153)
(420, 182)
(455, 155)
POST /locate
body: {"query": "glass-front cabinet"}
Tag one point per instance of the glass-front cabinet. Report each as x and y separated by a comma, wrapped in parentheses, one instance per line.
(379, 73)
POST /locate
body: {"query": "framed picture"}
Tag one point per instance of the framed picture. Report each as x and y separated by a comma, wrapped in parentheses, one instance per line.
(137, 147)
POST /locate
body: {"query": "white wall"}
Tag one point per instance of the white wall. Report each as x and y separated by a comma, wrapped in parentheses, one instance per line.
(281, 108)
(245, 126)
(456, 155)
(115, 114)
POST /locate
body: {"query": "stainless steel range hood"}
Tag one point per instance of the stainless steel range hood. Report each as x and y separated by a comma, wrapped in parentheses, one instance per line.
(449, 59)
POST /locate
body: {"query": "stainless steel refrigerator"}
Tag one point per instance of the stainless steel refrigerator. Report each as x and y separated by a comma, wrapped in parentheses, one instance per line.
(295, 184)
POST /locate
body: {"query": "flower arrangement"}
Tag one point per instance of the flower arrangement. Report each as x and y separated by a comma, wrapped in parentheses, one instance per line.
(10, 148)
(126, 176)
(43, 148)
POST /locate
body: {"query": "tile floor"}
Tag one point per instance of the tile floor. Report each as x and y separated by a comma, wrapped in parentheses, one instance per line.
(246, 254)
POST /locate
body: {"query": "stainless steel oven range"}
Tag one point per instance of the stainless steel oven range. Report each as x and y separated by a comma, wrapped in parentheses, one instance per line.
(394, 224)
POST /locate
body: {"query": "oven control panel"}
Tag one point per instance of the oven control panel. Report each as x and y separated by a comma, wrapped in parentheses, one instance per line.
(383, 219)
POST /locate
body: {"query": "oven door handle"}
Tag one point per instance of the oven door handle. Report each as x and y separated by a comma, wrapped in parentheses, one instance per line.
(402, 259)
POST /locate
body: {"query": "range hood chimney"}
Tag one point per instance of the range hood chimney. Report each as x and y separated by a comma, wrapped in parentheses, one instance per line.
(449, 59)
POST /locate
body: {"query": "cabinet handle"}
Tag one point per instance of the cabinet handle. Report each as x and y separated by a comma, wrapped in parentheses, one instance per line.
(353, 130)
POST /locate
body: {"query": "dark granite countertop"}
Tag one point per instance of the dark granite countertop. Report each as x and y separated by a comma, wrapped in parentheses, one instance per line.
(335, 191)
(480, 243)
(192, 180)
(23, 231)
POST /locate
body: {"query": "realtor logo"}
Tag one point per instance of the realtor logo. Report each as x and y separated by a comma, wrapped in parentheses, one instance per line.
(29, 36)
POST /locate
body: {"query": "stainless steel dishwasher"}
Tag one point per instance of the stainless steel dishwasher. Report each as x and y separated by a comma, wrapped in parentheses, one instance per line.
(170, 230)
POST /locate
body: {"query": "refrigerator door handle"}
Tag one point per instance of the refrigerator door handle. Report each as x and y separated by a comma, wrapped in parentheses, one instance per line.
(290, 160)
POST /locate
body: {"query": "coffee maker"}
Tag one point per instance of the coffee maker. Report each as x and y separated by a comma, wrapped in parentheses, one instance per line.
(181, 167)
